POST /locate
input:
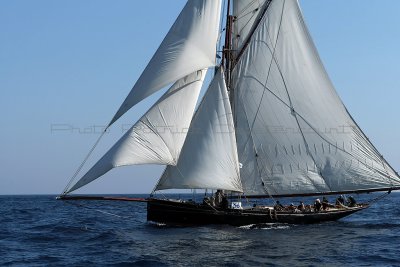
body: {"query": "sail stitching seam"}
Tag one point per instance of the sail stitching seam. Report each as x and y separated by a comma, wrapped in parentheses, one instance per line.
(252, 137)
(262, 96)
(265, 86)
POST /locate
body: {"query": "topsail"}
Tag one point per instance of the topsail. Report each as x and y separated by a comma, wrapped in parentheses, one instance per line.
(245, 13)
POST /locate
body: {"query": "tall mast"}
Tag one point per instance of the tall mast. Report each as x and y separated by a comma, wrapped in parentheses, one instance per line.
(227, 50)
(253, 29)
(230, 57)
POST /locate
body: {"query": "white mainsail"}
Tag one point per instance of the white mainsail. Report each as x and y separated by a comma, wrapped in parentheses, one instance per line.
(190, 45)
(157, 138)
(294, 134)
(209, 155)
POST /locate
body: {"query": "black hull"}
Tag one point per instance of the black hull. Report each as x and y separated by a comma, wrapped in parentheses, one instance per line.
(186, 213)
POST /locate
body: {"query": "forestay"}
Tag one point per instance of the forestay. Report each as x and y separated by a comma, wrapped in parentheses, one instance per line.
(209, 155)
(157, 138)
(294, 134)
(190, 45)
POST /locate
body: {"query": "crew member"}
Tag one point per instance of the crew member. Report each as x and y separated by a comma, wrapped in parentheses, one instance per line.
(351, 202)
(317, 205)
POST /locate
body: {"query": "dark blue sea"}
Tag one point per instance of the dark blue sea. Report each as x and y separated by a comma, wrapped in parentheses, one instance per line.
(41, 231)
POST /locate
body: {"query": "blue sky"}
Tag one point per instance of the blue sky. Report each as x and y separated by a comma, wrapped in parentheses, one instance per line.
(66, 66)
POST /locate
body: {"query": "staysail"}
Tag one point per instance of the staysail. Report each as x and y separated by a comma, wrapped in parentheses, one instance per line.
(208, 158)
(294, 135)
(190, 45)
(158, 136)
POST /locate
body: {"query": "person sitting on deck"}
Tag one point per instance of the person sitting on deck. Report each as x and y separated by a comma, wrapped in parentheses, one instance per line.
(340, 201)
(308, 208)
(206, 201)
(224, 202)
(325, 203)
(278, 206)
(301, 207)
(212, 201)
(292, 208)
(317, 205)
(351, 202)
(218, 198)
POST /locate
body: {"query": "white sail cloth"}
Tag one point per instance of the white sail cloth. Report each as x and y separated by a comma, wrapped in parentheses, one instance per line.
(209, 155)
(190, 45)
(294, 134)
(157, 138)
(245, 13)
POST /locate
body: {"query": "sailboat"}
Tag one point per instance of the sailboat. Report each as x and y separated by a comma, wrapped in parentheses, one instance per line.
(270, 124)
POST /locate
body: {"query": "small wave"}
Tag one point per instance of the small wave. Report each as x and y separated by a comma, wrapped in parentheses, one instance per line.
(66, 230)
(102, 236)
(376, 259)
(266, 226)
(39, 238)
(157, 224)
(140, 263)
(167, 225)
(47, 259)
(375, 225)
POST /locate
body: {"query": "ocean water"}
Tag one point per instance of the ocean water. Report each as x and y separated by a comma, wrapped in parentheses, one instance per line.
(40, 231)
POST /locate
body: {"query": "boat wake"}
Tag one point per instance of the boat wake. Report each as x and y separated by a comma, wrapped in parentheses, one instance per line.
(266, 226)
